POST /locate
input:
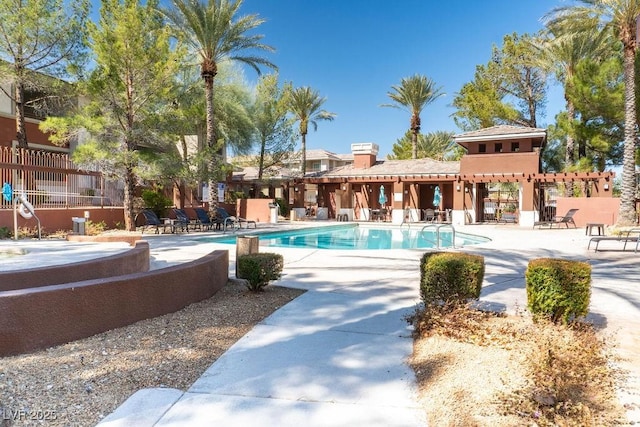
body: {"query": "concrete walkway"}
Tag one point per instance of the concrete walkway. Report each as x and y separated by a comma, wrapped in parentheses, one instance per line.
(336, 355)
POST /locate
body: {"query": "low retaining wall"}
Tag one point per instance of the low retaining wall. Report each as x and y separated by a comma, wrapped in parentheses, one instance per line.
(135, 260)
(42, 317)
(130, 238)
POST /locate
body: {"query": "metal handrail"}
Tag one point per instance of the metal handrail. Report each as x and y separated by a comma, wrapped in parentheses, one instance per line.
(438, 227)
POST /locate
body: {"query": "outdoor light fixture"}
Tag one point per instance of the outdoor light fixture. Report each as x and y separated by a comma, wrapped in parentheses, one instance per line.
(606, 187)
(458, 187)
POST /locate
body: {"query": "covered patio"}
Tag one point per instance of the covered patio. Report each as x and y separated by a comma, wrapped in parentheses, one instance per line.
(497, 156)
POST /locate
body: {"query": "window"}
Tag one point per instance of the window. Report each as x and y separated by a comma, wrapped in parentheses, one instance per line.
(498, 147)
(315, 166)
(515, 147)
(482, 148)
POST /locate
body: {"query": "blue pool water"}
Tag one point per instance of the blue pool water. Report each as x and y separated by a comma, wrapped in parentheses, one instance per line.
(355, 237)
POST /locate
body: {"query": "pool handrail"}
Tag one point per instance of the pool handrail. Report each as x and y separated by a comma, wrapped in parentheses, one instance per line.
(438, 227)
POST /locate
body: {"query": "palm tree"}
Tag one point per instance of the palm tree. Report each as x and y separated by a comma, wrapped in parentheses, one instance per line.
(305, 103)
(561, 53)
(413, 94)
(215, 32)
(619, 17)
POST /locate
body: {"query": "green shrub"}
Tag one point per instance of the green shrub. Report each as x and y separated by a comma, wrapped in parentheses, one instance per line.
(156, 201)
(450, 277)
(94, 228)
(259, 269)
(558, 289)
(283, 206)
(5, 233)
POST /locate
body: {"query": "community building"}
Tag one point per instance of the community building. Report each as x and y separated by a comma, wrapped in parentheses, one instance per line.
(461, 192)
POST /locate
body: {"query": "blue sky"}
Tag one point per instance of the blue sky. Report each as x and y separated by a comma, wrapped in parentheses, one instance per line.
(353, 51)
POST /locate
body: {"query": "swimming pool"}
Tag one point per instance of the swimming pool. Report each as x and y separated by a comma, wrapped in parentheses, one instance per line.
(352, 236)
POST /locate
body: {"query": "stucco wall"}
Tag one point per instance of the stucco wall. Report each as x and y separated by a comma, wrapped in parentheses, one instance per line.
(53, 219)
(8, 132)
(590, 209)
(254, 209)
(37, 318)
(135, 260)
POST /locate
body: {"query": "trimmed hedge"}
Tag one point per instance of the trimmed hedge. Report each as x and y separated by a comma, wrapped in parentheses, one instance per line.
(558, 289)
(259, 269)
(450, 277)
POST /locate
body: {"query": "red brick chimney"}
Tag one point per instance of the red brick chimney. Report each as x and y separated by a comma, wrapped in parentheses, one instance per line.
(364, 154)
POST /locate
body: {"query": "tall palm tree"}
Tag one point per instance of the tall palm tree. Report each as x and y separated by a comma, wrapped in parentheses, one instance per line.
(619, 17)
(413, 94)
(562, 51)
(305, 104)
(213, 29)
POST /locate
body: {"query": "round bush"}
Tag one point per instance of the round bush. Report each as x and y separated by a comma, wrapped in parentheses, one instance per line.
(259, 269)
(450, 277)
(558, 289)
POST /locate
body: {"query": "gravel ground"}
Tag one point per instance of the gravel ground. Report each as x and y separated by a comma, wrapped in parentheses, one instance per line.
(79, 383)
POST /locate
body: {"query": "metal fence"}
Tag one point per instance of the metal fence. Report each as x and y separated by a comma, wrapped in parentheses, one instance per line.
(52, 180)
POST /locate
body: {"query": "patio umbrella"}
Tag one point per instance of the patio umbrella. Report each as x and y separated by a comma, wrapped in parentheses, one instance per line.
(383, 198)
(436, 196)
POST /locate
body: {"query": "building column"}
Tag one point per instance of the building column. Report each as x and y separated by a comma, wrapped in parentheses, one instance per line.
(528, 214)
(346, 201)
(457, 214)
(298, 195)
(412, 202)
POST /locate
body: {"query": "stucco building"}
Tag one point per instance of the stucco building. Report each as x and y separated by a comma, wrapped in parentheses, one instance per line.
(495, 155)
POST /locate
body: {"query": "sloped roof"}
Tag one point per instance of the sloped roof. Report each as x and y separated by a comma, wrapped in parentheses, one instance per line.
(501, 132)
(345, 157)
(321, 154)
(250, 173)
(393, 168)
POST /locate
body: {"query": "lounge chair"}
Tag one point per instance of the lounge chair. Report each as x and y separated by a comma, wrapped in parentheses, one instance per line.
(566, 219)
(626, 238)
(182, 220)
(152, 220)
(203, 219)
(226, 219)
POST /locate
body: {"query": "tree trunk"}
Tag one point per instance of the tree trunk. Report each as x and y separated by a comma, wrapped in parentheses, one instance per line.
(414, 145)
(303, 147)
(261, 160)
(211, 140)
(569, 158)
(627, 213)
(415, 130)
(21, 131)
(129, 187)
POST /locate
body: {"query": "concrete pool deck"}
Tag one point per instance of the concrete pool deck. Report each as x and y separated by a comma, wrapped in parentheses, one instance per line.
(336, 355)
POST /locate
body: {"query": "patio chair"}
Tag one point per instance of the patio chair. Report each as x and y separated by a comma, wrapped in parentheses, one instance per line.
(152, 220)
(226, 219)
(203, 219)
(565, 219)
(489, 211)
(429, 215)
